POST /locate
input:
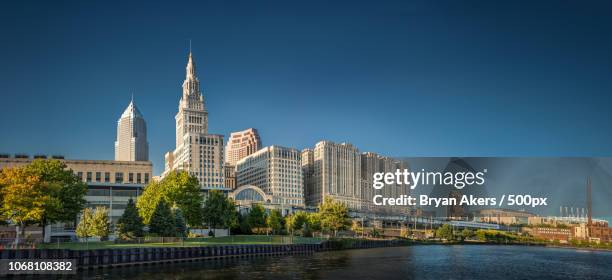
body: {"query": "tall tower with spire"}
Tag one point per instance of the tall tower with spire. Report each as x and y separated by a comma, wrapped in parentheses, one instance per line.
(131, 143)
(197, 151)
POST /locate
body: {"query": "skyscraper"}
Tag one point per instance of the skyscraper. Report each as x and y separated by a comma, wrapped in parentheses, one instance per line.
(372, 163)
(275, 170)
(131, 143)
(336, 173)
(197, 152)
(241, 144)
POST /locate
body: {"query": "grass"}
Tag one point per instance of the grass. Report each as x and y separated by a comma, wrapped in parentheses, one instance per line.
(188, 242)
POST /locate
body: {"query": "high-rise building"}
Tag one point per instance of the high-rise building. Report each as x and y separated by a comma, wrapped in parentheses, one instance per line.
(197, 152)
(308, 173)
(131, 144)
(241, 144)
(372, 163)
(230, 176)
(275, 170)
(336, 173)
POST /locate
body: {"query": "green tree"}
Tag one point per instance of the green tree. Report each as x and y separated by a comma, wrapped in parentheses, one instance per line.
(296, 221)
(219, 211)
(274, 221)
(179, 223)
(466, 233)
(86, 227)
(445, 232)
(162, 221)
(334, 215)
(257, 217)
(101, 224)
(313, 224)
(243, 220)
(42, 192)
(130, 224)
(178, 189)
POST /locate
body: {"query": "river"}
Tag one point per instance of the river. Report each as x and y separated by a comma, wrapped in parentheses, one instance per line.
(415, 262)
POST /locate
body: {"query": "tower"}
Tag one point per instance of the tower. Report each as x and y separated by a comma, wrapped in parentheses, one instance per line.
(131, 143)
(197, 152)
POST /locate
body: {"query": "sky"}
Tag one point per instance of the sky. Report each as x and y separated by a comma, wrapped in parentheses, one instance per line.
(405, 78)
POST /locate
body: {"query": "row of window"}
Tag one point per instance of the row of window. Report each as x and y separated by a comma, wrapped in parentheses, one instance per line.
(99, 177)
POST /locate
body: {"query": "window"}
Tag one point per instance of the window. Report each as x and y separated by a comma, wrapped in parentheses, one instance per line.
(131, 177)
(98, 176)
(146, 178)
(107, 177)
(138, 178)
(119, 177)
(88, 176)
(80, 175)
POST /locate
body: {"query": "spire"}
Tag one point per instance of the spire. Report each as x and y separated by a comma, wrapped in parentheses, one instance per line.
(190, 71)
(131, 111)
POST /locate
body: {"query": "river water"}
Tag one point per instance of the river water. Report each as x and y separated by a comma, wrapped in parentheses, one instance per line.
(415, 262)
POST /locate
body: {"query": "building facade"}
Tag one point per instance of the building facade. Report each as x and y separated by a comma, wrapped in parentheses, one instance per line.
(197, 152)
(372, 163)
(241, 144)
(336, 173)
(109, 183)
(131, 143)
(277, 172)
(230, 176)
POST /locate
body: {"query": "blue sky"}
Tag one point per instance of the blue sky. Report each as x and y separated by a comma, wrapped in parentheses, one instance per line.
(406, 78)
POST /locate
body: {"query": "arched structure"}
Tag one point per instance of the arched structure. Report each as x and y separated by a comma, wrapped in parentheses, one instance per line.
(249, 194)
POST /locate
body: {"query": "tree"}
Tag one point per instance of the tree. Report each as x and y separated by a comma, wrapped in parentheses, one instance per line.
(274, 221)
(243, 220)
(219, 211)
(101, 224)
(86, 228)
(162, 221)
(313, 224)
(130, 224)
(445, 232)
(178, 189)
(257, 217)
(466, 233)
(42, 192)
(66, 190)
(296, 221)
(334, 215)
(179, 223)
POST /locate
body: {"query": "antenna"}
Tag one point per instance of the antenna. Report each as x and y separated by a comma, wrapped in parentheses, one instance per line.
(189, 45)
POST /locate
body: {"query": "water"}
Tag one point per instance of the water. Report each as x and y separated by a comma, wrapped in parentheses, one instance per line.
(416, 262)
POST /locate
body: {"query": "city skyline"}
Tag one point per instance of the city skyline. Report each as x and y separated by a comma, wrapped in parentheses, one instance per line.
(438, 90)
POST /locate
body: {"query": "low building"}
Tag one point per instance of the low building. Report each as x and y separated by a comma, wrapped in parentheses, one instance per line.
(503, 216)
(563, 234)
(110, 184)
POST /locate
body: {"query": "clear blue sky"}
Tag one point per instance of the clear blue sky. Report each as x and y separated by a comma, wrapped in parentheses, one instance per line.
(406, 78)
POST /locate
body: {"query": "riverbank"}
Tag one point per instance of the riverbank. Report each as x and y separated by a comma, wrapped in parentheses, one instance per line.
(115, 257)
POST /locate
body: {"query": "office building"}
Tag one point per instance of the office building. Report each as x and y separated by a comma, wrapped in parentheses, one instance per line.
(197, 152)
(336, 173)
(241, 144)
(131, 143)
(277, 172)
